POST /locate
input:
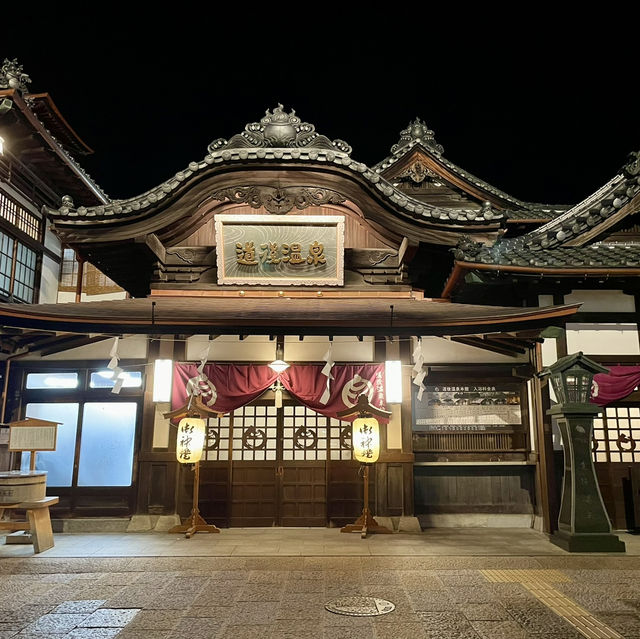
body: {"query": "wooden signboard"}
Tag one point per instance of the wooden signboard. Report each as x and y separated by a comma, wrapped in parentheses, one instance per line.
(33, 434)
(280, 250)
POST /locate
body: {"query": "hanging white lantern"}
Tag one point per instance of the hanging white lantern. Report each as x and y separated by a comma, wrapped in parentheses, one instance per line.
(365, 437)
(393, 381)
(162, 373)
(190, 441)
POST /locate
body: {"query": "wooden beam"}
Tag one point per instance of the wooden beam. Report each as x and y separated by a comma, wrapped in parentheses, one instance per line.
(486, 345)
(73, 343)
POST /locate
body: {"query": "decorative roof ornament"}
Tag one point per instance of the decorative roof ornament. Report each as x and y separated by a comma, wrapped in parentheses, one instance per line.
(280, 130)
(418, 131)
(632, 167)
(13, 77)
(466, 248)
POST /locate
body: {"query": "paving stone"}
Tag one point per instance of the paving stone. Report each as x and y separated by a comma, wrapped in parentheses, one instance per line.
(343, 632)
(432, 601)
(154, 620)
(290, 629)
(261, 592)
(485, 612)
(628, 625)
(473, 594)
(499, 630)
(55, 623)
(109, 618)
(445, 622)
(93, 633)
(400, 631)
(592, 598)
(219, 614)
(86, 606)
(146, 634)
(243, 631)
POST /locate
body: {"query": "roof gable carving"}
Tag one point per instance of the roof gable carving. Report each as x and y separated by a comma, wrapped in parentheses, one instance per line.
(279, 199)
(418, 132)
(280, 130)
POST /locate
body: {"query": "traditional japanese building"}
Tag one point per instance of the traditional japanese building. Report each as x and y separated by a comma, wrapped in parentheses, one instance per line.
(279, 244)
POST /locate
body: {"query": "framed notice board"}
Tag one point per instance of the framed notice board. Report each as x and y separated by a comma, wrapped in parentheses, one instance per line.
(33, 434)
(471, 407)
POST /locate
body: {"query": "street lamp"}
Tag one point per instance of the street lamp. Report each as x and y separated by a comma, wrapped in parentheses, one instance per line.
(583, 523)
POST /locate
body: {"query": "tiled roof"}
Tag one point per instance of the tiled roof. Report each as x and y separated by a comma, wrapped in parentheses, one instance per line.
(417, 134)
(299, 143)
(546, 245)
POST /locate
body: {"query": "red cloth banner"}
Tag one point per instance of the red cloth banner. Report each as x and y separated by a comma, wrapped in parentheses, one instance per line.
(307, 384)
(222, 387)
(615, 385)
(225, 387)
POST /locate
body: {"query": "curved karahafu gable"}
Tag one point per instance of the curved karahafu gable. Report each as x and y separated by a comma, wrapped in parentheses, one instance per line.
(279, 150)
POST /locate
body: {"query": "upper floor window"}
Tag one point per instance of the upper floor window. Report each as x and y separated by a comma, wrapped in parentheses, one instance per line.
(22, 219)
(17, 269)
(94, 282)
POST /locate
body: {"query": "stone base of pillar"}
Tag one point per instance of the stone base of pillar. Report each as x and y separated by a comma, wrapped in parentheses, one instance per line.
(587, 542)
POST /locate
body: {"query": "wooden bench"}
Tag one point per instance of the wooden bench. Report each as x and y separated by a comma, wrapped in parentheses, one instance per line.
(38, 521)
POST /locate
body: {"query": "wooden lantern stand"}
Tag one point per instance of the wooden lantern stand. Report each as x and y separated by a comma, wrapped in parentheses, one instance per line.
(366, 523)
(195, 522)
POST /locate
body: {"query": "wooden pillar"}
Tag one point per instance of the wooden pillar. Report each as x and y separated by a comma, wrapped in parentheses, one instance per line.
(545, 470)
(158, 476)
(394, 471)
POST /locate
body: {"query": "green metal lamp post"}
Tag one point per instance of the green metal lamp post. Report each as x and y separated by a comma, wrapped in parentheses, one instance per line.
(583, 523)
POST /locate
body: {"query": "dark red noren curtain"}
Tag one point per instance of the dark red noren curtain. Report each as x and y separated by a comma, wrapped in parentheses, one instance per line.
(225, 387)
(619, 382)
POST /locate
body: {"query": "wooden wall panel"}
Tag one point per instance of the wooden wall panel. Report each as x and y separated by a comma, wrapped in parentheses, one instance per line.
(357, 232)
(474, 489)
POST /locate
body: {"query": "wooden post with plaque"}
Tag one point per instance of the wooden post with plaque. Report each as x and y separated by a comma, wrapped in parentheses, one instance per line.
(31, 435)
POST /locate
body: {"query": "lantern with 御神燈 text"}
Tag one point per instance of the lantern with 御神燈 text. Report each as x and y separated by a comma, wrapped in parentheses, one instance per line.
(365, 436)
(190, 441)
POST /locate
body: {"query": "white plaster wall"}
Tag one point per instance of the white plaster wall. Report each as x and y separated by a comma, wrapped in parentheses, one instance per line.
(549, 352)
(438, 350)
(229, 348)
(545, 300)
(602, 301)
(51, 240)
(128, 348)
(603, 339)
(312, 349)
(48, 281)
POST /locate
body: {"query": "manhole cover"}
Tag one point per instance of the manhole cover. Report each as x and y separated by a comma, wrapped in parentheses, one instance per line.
(360, 606)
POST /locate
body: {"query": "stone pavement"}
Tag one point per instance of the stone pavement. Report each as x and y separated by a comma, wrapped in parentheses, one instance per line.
(454, 591)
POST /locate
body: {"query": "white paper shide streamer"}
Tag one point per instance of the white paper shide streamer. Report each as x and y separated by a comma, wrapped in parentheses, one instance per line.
(201, 384)
(418, 368)
(326, 371)
(118, 377)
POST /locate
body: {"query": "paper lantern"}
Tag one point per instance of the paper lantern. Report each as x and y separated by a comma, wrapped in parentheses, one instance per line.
(190, 441)
(365, 436)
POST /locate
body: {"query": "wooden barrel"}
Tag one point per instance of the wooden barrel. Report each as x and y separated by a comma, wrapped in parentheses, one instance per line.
(17, 486)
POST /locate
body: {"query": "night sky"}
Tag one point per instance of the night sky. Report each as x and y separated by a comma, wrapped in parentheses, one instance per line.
(547, 114)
